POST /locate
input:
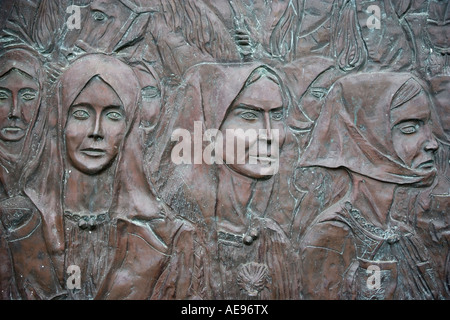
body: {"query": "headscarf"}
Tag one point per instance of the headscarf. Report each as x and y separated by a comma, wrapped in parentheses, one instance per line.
(27, 61)
(354, 129)
(47, 187)
(205, 96)
(201, 192)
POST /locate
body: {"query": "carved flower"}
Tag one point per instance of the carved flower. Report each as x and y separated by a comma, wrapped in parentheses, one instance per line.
(252, 277)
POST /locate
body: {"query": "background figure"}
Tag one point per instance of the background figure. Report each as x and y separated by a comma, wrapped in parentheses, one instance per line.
(430, 29)
(359, 44)
(308, 80)
(89, 173)
(29, 273)
(33, 23)
(261, 30)
(433, 204)
(229, 203)
(382, 146)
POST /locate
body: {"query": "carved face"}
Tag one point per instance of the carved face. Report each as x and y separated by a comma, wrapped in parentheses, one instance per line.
(258, 107)
(95, 127)
(19, 100)
(102, 23)
(412, 137)
(438, 25)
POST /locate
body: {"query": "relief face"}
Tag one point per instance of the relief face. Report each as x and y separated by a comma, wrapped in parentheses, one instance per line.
(258, 107)
(319, 133)
(95, 127)
(19, 100)
(102, 22)
(412, 134)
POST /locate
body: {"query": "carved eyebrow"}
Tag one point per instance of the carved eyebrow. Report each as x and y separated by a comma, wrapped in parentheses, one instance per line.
(81, 104)
(248, 106)
(255, 108)
(279, 109)
(114, 107)
(28, 90)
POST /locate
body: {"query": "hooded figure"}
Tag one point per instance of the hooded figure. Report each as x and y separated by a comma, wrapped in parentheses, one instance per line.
(93, 191)
(377, 127)
(249, 253)
(23, 135)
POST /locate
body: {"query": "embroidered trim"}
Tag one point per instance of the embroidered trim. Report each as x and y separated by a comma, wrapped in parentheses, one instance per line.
(89, 222)
(230, 239)
(391, 235)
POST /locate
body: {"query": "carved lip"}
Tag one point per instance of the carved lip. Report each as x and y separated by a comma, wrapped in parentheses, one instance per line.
(264, 159)
(12, 129)
(426, 165)
(93, 152)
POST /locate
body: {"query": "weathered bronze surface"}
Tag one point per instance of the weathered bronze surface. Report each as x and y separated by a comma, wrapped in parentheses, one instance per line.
(201, 149)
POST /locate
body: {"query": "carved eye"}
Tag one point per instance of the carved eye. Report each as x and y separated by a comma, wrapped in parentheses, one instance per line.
(99, 16)
(409, 129)
(248, 115)
(114, 115)
(81, 115)
(29, 95)
(3, 95)
(277, 116)
(149, 93)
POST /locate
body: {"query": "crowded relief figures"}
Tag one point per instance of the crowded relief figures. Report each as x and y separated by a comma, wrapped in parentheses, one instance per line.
(284, 149)
(23, 135)
(227, 180)
(384, 141)
(120, 249)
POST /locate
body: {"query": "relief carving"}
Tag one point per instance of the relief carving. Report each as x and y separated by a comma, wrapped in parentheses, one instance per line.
(274, 150)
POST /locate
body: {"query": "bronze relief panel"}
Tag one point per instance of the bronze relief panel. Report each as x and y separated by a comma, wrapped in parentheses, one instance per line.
(224, 150)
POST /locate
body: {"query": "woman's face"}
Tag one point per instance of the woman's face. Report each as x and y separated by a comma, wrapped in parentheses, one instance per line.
(95, 128)
(259, 108)
(412, 136)
(102, 22)
(19, 101)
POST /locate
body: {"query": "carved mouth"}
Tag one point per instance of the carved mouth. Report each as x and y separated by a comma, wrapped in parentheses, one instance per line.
(426, 165)
(13, 133)
(93, 152)
(264, 159)
(12, 130)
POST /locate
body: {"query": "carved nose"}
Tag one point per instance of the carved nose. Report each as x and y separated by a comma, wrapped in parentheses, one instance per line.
(267, 132)
(97, 132)
(432, 145)
(15, 109)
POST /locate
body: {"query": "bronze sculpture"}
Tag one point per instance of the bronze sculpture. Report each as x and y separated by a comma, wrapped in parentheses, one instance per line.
(224, 150)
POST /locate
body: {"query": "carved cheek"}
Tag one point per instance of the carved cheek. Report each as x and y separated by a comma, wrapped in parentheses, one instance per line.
(75, 134)
(5, 106)
(29, 108)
